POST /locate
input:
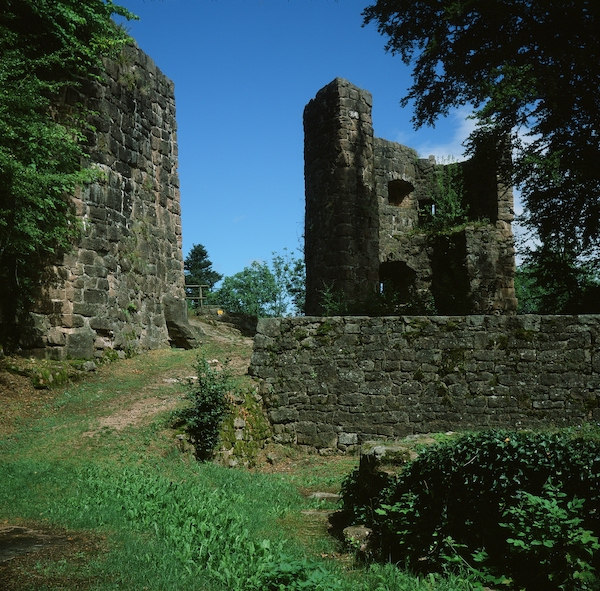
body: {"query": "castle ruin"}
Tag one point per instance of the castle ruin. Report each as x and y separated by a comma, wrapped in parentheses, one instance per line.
(365, 200)
(334, 382)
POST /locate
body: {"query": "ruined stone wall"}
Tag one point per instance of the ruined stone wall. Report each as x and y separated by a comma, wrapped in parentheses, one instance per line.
(332, 383)
(402, 179)
(364, 201)
(121, 287)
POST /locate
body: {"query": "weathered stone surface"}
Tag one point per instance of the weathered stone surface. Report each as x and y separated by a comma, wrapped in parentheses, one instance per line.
(358, 537)
(181, 333)
(80, 345)
(122, 287)
(365, 197)
(341, 209)
(331, 396)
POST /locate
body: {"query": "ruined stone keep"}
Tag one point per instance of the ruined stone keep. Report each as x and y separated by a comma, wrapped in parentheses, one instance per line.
(122, 286)
(365, 198)
(334, 382)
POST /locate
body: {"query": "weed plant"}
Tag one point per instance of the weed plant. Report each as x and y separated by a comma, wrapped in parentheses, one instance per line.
(208, 395)
(450, 208)
(388, 303)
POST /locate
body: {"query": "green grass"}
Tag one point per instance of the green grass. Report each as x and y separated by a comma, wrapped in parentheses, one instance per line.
(161, 520)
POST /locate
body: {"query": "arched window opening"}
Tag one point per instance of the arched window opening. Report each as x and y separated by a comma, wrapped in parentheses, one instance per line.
(398, 190)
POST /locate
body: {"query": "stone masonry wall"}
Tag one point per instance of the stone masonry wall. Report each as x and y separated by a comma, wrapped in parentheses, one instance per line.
(467, 271)
(366, 201)
(341, 222)
(333, 383)
(121, 288)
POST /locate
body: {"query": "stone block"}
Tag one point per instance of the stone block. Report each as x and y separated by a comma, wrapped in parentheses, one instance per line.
(94, 296)
(102, 323)
(55, 353)
(95, 270)
(322, 440)
(283, 415)
(270, 327)
(351, 399)
(80, 345)
(56, 336)
(348, 439)
(84, 309)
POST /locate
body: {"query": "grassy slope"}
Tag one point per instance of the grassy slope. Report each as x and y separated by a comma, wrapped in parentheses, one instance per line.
(98, 464)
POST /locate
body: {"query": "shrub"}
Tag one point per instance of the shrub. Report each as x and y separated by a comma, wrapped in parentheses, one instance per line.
(548, 531)
(496, 502)
(208, 395)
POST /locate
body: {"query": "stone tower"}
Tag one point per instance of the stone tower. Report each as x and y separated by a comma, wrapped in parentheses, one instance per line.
(341, 209)
(365, 202)
(122, 286)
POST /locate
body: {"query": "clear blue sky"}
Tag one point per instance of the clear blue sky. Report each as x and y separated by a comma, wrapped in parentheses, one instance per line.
(243, 72)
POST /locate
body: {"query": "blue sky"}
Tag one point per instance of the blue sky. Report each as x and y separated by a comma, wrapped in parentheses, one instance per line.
(243, 72)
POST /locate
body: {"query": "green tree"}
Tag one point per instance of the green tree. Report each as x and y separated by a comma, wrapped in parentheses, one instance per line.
(290, 277)
(556, 283)
(46, 48)
(198, 269)
(252, 291)
(262, 290)
(531, 69)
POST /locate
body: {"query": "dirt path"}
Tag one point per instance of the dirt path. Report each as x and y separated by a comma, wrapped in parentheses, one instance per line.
(24, 546)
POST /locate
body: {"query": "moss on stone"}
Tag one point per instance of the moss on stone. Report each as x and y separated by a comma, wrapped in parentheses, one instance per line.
(453, 361)
(241, 444)
(523, 334)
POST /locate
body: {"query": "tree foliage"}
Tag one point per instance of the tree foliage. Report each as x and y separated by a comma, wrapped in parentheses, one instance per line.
(555, 283)
(263, 291)
(531, 69)
(198, 268)
(46, 48)
(252, 291)
(290, 277)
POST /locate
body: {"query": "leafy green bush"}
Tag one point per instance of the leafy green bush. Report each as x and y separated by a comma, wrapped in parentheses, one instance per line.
(363, 491)
(548, 530)
(208, 395)
(496, 502)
